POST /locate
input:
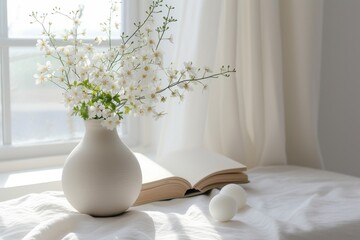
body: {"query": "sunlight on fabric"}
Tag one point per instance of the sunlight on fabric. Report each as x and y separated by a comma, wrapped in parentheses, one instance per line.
(33, 177)
(188, 225)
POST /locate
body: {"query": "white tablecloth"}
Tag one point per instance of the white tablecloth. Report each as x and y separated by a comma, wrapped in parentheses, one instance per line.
(284, 202)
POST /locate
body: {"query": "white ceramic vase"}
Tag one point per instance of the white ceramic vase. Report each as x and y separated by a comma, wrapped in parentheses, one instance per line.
(101, 176)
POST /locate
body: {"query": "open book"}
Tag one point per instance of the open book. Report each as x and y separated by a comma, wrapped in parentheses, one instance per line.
(186, 173)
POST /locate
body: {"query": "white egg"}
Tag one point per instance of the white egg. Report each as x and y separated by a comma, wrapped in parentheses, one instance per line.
(222, 207)
(237, 192)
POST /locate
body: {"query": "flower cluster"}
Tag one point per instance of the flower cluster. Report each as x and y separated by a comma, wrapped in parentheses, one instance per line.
(127, 77)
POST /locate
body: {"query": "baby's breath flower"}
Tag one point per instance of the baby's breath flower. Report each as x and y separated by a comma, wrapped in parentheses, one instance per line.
(175, 93)
(148, 30)
(98, 40)
(189, 68)
(111, 122)
(151, 42)
(40, 78)
(186, 86)
(49, 51)
(124, 78)
(172, 75)
(76, 22)
(44, 68)
(149, 109)
(69, 99)
(42, 44)
(153, 97)
(207, 69)
(158, 56)
(96, 110)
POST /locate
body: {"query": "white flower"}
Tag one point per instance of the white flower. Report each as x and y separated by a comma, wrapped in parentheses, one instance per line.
(49, 51)
(106, 113)
(76, 22)
(98, 40)
(207, 69)
(76, 94)
(40, 78)
(96, 110)
(145, 57)
(111, 122)
(158, 56)
(60, 49)
(163, 99)
(153, 97)
(151, 42)
(105, 83)
(175, 93)
(89, 48)
(123, 47)
(68, 100)
(85, 97)
(148, 30)
(117, 25)
(114, 87)
(129, 75)
(189, 68)
(44, 68)
(127, 71)
(66, 35)
(42, 44)
(69, 51)
(150, 109)
(146, 74)
(172, 74)
(186, 86)
(111, 54)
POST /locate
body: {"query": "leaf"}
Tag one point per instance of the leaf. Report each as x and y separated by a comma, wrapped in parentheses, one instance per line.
(84, 111)
(127, 109)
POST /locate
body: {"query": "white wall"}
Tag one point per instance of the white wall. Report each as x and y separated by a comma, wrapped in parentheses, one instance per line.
(339, 120)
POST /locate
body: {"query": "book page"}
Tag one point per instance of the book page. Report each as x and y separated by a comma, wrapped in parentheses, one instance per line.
(196, 164)
(158, 183)
(151, 171)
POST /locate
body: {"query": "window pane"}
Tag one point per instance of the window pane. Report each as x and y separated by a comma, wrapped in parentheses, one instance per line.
(38, 113)
(19, 21)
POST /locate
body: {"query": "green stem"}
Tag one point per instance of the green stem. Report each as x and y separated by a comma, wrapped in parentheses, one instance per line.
(164, 28)
(54, 46)
(152, 9)
(216, 75)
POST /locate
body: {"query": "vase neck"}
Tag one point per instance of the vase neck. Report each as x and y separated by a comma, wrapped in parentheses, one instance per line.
(94, 124)
(94, 127)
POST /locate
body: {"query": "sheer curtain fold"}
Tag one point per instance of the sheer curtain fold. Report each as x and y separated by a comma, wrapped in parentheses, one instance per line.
(302, 37)
(266, 113)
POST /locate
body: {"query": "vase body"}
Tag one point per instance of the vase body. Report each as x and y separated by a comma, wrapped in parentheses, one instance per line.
(101, 176)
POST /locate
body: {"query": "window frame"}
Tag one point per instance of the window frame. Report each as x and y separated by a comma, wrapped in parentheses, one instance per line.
(43, 149)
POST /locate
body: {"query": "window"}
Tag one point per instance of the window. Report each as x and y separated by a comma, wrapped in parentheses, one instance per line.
(33, 117)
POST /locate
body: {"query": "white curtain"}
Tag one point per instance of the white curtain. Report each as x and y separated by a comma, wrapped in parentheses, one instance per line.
(267, 112)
